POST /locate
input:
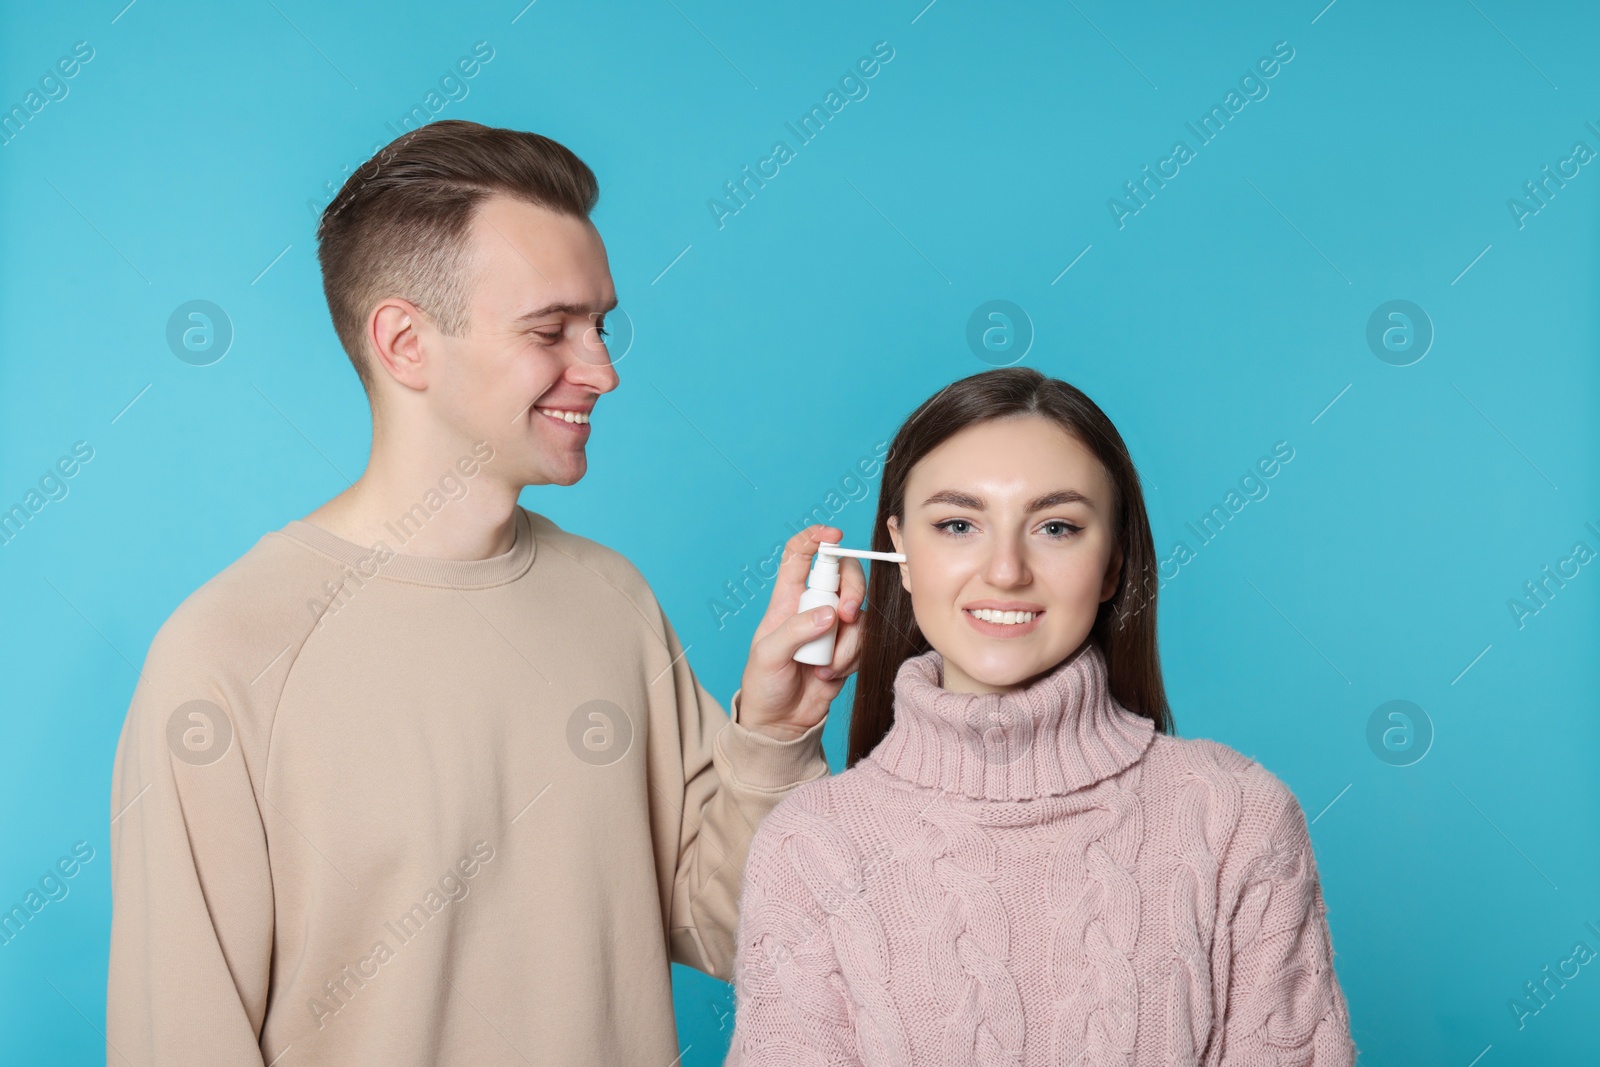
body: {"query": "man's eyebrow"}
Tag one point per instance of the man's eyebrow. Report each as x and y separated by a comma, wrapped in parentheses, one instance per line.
(563, 308)
(959, 499)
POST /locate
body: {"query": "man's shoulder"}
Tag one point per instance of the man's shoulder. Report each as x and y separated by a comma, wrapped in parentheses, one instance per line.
(274, 591)
(231, 644)
(600, 560)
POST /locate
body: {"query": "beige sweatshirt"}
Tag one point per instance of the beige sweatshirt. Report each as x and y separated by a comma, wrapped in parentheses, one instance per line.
(376, 808)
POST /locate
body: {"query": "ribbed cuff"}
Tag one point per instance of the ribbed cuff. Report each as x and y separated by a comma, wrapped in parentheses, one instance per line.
(757, 761)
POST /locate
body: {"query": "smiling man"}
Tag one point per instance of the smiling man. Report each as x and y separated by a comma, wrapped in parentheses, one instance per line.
(460, 803)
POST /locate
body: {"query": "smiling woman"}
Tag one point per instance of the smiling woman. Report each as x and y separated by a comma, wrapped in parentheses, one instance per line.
(1063, 876)
(1011, 523)
(1008, 491)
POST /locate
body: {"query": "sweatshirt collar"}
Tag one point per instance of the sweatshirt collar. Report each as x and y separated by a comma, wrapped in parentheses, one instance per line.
(1060, 733)
(383, 558)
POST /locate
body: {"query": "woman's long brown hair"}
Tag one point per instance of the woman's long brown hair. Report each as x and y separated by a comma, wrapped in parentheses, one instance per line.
(1125, 625)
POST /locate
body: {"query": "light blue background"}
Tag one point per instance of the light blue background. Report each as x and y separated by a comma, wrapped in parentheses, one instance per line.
(1227, 315)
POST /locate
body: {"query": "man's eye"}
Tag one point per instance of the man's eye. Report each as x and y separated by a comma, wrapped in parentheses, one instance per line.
(549, 338)
(602, 331)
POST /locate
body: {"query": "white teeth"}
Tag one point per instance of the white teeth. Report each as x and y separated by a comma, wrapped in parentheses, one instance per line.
(1005, 618)
(565, 416)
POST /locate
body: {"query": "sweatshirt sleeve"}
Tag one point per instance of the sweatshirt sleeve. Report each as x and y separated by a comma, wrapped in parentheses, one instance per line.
(192, 917)
(1284, 1004)
(790, 1006)
(732, 777)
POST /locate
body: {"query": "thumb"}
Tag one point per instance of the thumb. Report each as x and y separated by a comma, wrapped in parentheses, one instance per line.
(779, 646)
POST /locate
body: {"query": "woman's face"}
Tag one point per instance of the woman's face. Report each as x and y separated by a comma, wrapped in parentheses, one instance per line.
(1008, 518)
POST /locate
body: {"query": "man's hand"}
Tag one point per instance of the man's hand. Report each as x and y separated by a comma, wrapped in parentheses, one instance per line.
(782, 698)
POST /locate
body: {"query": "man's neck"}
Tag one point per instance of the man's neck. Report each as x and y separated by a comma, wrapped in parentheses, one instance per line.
(412, 499)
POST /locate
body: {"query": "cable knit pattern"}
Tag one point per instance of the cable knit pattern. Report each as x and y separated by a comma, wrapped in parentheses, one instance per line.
(1291, 1012)
(968, 942)
(1205, 815)
(827, 957)
(1036, 879)
(1092, 894)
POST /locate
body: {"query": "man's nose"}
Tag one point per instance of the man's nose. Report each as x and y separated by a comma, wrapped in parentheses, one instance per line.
(592, 366)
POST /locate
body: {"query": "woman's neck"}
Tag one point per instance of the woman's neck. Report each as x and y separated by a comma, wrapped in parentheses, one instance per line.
(1060, 732)
(956, 680)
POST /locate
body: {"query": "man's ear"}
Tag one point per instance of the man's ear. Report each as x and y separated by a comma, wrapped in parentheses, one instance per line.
(899, 546)
(394, 335)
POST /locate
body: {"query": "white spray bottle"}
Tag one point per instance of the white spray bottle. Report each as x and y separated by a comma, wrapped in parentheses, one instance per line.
(822, 591)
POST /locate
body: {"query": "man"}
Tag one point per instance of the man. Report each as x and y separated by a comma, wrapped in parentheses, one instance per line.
(423, 778)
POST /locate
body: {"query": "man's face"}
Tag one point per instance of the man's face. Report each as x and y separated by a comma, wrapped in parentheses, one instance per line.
(1009, 519)
(541, 286)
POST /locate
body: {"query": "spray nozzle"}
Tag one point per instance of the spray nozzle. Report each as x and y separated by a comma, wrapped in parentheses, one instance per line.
(825, 568)
(832, 549)
(822, 590)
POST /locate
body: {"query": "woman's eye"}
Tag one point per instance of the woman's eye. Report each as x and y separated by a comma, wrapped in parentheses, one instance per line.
(602, 331)
(949, 527)
(1061, 528)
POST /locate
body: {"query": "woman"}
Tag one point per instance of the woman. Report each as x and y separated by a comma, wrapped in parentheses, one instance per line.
(1022, 865)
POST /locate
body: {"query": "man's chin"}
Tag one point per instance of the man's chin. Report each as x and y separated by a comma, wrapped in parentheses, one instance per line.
(569, 473)
(540, 467)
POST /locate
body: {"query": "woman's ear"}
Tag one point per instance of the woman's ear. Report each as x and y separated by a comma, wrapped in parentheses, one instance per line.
(1108, 588)
(899, 546)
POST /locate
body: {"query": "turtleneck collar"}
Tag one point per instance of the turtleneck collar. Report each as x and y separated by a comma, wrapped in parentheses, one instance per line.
(1060, 733)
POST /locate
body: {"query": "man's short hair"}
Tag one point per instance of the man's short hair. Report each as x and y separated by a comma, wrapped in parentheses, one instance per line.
(400, 225)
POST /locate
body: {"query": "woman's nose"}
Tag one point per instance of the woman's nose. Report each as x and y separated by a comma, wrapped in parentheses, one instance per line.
(1007, 563)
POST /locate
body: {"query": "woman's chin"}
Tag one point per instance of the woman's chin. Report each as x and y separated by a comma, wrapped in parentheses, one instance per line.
(994, 669)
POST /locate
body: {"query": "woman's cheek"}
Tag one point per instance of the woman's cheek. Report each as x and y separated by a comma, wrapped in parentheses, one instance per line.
(939, 579)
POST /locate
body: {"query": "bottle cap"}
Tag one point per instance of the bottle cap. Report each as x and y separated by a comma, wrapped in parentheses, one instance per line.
(824, 570)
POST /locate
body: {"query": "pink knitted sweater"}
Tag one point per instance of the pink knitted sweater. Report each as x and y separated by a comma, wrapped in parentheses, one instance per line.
(1035, 878)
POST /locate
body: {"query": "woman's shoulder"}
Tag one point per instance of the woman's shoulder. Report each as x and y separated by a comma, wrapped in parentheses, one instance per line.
(1225, 778)
(814, 832)
(827, 797)
(834, 813)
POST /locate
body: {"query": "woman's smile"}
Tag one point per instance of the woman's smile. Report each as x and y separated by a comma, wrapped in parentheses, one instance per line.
(1003, 620)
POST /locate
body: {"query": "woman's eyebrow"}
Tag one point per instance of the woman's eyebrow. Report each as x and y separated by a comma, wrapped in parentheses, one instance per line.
(959, 499)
